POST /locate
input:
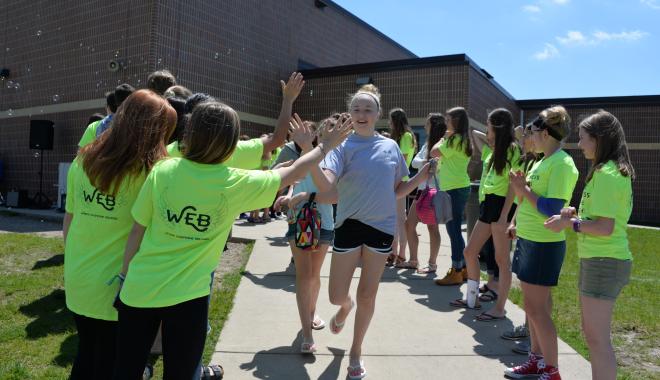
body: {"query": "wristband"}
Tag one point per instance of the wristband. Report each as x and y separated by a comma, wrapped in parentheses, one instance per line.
(577, 225)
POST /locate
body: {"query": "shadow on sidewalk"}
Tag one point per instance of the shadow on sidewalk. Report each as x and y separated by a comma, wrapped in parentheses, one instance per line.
(436, 297)
(487, 337)
(270, 364)
(284, 280)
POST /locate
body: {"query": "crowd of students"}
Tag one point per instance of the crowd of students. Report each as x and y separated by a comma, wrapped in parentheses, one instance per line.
(159, 181)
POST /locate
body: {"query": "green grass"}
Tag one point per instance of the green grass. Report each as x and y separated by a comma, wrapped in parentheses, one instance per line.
(37, 333)
(635, 326)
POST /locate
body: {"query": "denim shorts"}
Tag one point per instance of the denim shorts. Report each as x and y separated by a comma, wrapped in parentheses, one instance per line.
(325, 237)
(603, 277)
(538, 263)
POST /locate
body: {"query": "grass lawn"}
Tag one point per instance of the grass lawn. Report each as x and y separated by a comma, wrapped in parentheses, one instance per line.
(37, 333)
(635, 326)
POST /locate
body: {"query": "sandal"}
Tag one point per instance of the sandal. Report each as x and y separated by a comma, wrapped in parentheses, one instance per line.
(484, 289)
(412, 264)
(488, 296)
(335, 327)
(318, 323)
(390, 260)
(307, 348)
(463, 303)
(431, 268)
(487, 317)
(399, 261)
(357, 372)
(212, 372)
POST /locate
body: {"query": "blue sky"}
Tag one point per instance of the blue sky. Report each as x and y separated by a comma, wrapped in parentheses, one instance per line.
(534, 49)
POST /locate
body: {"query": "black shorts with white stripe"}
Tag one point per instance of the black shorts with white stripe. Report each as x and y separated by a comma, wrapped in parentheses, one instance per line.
(353, 234)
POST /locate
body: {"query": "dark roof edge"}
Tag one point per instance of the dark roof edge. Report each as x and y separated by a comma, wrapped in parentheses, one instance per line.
(489, 78)
(399, 64)
(595, 101)
(365, 24)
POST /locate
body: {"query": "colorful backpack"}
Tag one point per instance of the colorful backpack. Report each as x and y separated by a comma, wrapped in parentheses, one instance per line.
(308, 225)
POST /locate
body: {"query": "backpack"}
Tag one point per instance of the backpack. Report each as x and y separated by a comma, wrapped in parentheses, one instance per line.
(434, 205)
(308, 225)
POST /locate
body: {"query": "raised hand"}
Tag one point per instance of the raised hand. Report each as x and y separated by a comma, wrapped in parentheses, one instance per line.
(518, 181)
(291, 89)
(303, 136)
(334, 135)
(511, 231)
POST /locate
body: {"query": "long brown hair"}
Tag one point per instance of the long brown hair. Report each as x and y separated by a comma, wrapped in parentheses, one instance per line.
(134, 143)
(502, 122)
(610, 143)
(212, 133)
(437, 129)
(400, 126)
(461, 123)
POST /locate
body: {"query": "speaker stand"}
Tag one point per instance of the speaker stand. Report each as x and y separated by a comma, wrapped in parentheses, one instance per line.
(40, 199)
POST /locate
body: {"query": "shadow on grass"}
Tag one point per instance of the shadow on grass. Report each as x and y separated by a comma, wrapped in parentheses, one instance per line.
(54, 261)
(68, 350)
(51, 315)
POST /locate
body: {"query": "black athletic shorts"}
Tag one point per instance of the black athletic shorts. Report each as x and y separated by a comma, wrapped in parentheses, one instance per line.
(491, 209)
(354, 234)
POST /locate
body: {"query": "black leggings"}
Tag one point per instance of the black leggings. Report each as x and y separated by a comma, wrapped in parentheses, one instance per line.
(97, 344)
(184, 334)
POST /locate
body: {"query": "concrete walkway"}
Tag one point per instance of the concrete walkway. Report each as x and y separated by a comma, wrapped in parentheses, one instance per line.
(414, 334)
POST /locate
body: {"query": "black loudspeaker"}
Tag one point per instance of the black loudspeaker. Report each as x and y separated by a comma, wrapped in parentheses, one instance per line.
(41, 134)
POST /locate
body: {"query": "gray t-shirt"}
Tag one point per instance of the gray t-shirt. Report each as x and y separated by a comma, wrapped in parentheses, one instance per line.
(367, 169)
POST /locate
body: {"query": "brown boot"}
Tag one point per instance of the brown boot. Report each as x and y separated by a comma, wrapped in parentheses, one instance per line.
(464, 273)
(453, 277)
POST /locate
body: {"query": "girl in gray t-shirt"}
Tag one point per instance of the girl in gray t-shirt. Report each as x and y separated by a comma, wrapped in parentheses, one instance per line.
(367, 171)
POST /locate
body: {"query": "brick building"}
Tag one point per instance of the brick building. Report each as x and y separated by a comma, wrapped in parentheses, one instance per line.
(238, 51)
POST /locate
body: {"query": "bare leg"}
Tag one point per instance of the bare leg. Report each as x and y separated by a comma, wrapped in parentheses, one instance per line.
(434, 234)
(308, 282)
(411, 232)
(538, 309)
(502, 257)
(372, 270)
(401, 226)
(342, 267)
(596, 324)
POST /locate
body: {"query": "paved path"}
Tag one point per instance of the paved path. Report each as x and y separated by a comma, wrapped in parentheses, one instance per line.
(414, 334)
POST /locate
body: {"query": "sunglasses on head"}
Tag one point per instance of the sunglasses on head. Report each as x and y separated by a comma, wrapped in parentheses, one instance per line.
(538, 125)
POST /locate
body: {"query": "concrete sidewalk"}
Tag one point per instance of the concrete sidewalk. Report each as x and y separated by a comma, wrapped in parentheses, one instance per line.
(414, 334)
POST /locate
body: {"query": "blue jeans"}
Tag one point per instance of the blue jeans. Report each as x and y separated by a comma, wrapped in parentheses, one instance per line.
(458, 200)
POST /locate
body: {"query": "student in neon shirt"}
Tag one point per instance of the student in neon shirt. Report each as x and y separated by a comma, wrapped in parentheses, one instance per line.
(103, 182)
(404, 137)
(602, 241)
(248, 153)
(435, 128)
(454, 151)
(539, 253)
(495, 211)
(308, 262)
(366, 215)
(173, 244)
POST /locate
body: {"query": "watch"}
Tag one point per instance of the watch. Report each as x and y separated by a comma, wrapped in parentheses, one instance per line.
(577, 225)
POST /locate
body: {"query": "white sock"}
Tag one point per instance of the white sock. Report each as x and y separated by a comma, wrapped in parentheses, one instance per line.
(472, 292)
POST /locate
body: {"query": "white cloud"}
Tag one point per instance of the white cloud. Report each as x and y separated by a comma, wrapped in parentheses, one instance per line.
(651, 3)
(550, 51)
(635, 35)
(532, 8)
(560, 2)
(573, 37)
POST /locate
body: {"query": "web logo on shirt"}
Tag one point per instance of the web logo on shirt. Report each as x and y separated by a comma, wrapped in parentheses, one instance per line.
(188, 216)
(106, 201)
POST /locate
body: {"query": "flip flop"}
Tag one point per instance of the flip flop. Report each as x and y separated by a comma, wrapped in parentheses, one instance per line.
(335, 327)
(318, 323)
(484, 289)
(307, 348)
(406, 264)
(431, 268)
(462, 303)
(488, 296)
(357, 372)
(487, 317)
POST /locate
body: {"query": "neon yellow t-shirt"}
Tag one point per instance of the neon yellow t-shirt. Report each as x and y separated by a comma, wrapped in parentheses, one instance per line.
(494, 183)
(95, 243)
(608, 195)
(90, 134)
(551, 177)
(188, 210)
(247, 154)
(453, 165)
(407, 147)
